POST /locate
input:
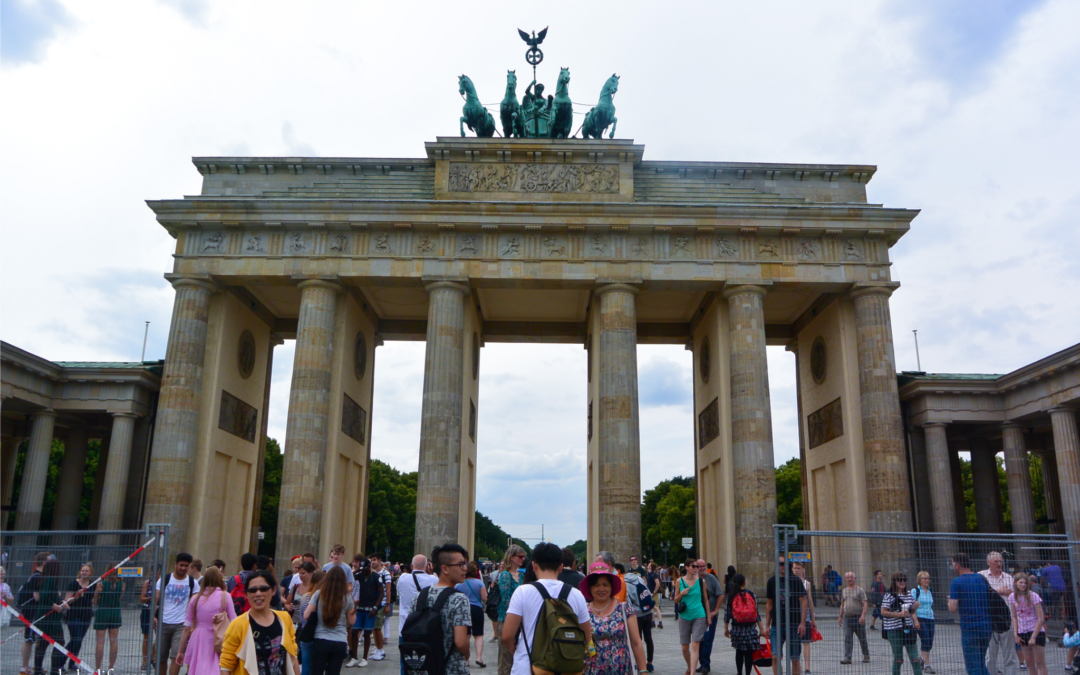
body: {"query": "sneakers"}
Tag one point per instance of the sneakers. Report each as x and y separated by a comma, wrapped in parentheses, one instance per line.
(866, 659)
(1023, 666)
(351, 663)
(378, 655)
(928, 670)
(660, 625)
(845, 662)
(362, 663)
(649, 667)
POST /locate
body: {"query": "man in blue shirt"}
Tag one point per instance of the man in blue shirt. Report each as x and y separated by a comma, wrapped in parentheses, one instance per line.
(968, 596)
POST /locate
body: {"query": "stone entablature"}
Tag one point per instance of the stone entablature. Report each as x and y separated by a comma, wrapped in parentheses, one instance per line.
(1025, 392)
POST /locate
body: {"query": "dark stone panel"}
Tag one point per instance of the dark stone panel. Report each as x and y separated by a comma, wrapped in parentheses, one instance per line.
(825, 424)
(353, 420)
(237, 418)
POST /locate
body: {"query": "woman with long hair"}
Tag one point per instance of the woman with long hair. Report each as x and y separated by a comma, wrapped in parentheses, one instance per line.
(262, 637)
(510, 577)
(332, 607)
(473, 588)
(899, 617)
(210, 606)
(301, 597)
(744, 634)
(107, 619)
(79, 605)
(50, 621)
(614, 626)
(1028, 624)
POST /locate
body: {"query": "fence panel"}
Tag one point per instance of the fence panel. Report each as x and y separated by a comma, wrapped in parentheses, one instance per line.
(107, 627)
(827, 558)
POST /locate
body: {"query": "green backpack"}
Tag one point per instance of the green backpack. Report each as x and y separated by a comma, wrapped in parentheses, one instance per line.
(558, 641)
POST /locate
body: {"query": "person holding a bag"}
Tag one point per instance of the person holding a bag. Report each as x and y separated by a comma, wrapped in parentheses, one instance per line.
(473, 588)
(742, 623)
(900, 623)
(690, 607)
(614, 626)
(208, 617)
(261, 640)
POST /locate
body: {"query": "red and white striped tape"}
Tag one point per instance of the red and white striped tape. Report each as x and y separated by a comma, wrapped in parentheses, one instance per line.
(56, 645)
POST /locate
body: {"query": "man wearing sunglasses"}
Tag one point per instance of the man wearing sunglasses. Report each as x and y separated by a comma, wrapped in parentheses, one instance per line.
(451, 562)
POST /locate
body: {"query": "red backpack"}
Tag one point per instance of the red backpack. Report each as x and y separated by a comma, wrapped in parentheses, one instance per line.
(744, 608)
(239, 596)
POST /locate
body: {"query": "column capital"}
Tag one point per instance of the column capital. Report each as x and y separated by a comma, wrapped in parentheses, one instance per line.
(1061, 409)
(935, 425)
(448, 285)
(604, 288)
(276, 340)
(320, 283)
(179, 281)
(1012, 425)
(864, 288)
(44, 413)
(745, 289)
(131, 415)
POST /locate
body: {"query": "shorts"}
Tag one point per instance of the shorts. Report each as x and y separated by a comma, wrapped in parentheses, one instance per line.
(364, 621)
(380, 618)
(29, 635)
(691, 630)
(477, 616)
(778, 645)
(1040, 640)
(170, 635)
(144, 620)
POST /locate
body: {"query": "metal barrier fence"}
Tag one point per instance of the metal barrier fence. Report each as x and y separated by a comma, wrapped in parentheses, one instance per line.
(106, 627)
(827, 557)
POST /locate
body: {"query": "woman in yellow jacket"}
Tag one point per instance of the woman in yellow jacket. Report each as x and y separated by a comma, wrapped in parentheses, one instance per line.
(261, 641)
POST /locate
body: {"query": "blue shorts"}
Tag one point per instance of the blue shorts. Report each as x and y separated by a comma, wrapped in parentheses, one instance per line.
(364, 621)
(778, 645)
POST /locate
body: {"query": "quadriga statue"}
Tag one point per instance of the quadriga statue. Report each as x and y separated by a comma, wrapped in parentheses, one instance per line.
(603, 114)
(474, 115)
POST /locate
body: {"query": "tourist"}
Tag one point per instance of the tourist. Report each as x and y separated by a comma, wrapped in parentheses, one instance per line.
(853, 607)
(665, 580)
(108, 619)
(615, 631)
(656, 587)
(925, 614)
(510, 578)
(195, 570)
(1002, 644)
(261, 634)
(715, 593)
(693, 620)
(50, 621)
(569, 575)
(641, 603)
(635, 567)
(368, 596)
(745, 634)
(247, 568)
(1028, 624)
(794, 618)
(608, 558)
(901, 624)
(145, 596)
(336, 555)
(332, 607)
(525, 605)
(5, 590)
(1054, 587)
(409, 586)
(877, 592)
(28, 608)
(302, 597)
(79, 610)
(210, 606)
(967, 596)
(178, 592)
(286, 581)
(385, 609)
(451, 562)
(476, 593)
(266, 563)
(799, 571)
(220, 564)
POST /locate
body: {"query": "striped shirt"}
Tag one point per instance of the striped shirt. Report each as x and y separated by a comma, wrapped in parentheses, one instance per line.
(896, 603)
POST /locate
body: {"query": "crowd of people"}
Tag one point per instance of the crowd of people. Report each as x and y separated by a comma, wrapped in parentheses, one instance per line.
(320, 619)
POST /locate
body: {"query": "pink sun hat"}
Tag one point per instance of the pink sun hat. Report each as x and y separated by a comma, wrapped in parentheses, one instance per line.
(598, 569)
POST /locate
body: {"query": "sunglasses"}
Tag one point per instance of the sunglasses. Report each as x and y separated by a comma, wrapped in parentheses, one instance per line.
(259, 589)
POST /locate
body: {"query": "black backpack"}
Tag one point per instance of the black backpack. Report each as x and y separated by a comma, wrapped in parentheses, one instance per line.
(421, 646)
(25, 597)
(1000, 615)
(494, 598)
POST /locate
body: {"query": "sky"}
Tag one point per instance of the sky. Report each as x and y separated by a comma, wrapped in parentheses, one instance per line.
(969, 109)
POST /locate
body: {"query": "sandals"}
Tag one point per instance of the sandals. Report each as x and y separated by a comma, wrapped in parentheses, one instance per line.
(481, 664)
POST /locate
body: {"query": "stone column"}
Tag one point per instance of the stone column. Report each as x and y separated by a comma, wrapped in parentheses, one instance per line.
(136, 485)
(984, 481)
(940, 470)
(303, 465)
(172, 459)
(438, 485)
(8, 454)
(1067, 451)
(1018, 474)
(751, 434)
(1052, 492)
(35, 472)
(69, 488)
(793, 347)
(260, 462)
(114, 491)
(618, 457)
(887, 498)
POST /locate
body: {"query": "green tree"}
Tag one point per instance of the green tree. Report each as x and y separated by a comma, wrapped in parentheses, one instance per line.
(491, 540)
(581, 551)
(271, 496)
(669, 520)
(789, 493)
(391, 512)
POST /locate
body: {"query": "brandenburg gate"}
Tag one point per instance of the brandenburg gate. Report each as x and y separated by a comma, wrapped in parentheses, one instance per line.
(525, 240)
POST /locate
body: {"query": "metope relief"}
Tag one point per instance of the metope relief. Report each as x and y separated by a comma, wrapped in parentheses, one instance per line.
(825, 424)
(553, 247)
(425, 246)
(682, 247)
(467, 244)
(533, 178)
(768, 248)
(511, 247)
(640, 248)
(255, 243)
(296, 243)
(339, 243)
(709, 424)
(597, 245)
(727, 248)
(852, 251)
(236, 417)
(214, 243)
(808, 250)
(380, 243)
(353, 420)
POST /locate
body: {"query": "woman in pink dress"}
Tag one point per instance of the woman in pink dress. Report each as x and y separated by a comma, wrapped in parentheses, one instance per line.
(197, 643)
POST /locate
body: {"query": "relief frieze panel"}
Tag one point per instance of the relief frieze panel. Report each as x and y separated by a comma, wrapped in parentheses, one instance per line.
(534, 178)
(825, 424)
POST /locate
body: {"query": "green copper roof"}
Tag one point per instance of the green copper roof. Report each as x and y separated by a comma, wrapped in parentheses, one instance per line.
(155, 367)
(969, 377)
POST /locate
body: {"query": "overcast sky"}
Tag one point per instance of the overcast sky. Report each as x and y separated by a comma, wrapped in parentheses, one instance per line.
(969, 109)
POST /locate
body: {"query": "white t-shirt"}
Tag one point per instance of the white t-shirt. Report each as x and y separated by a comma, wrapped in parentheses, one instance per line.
(174, 600)
(526, 603)
(406, 591)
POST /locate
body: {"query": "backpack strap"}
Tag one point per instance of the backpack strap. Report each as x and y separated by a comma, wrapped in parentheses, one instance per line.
(190, 586)
(544, 595)
(417, 583)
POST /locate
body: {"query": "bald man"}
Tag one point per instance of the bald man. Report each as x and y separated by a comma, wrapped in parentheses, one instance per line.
(410, 585)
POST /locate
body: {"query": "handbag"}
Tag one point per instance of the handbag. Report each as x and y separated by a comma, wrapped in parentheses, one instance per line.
(762, 656)
(221, 626)
(307, 631)
(815, 635)
(680, 606)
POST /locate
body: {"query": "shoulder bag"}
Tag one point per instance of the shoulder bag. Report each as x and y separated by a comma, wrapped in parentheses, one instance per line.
(221, 625)
(307, 631)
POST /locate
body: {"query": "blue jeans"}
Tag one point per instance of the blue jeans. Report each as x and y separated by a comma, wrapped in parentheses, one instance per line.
(305, 658)
(705, 650)
(974, 643)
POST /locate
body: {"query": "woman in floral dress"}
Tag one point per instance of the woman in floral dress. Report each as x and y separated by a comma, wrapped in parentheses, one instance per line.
(612, 621)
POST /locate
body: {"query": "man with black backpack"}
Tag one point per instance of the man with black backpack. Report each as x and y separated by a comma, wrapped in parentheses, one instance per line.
(542, 614)
(28, 608)
(435, 637)
(1001, 641)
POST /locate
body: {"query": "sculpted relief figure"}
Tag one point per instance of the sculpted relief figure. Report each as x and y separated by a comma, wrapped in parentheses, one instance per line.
(512, 246)
(425, 245)
(467, 245)
(382, 243)
(641, 247)
(338, 243)
(851, 251)
(807, 250)
(553, 247)
(215, 242)
(597, 245)
(534, 178)
(767, 249)
(726, 247)
(255, 244)
(297, 243)
(682, 247)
